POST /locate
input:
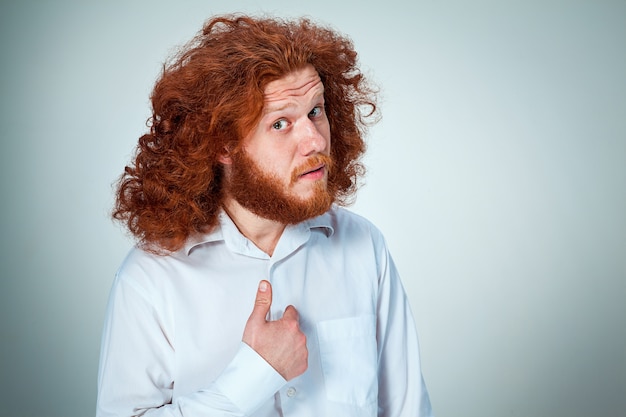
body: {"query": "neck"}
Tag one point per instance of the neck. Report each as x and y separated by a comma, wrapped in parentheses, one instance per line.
(262, 232)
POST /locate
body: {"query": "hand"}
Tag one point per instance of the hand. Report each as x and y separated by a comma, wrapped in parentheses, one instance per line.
(280, 342)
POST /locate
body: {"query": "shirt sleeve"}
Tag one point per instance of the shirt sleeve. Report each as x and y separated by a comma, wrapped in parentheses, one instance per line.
(137, 367)
(401, 390)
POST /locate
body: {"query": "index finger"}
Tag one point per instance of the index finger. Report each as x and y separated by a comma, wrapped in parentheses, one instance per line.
(291, 313)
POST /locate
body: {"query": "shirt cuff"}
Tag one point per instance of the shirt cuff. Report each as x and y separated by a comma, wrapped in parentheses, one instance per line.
(249, 381)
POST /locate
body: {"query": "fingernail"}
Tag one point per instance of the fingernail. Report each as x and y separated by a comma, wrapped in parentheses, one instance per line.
(263, 286)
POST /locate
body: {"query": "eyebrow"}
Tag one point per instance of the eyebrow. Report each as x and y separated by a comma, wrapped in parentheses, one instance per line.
(272, 109)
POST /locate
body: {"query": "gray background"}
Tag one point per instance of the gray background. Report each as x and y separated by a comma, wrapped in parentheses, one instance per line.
(498, 175)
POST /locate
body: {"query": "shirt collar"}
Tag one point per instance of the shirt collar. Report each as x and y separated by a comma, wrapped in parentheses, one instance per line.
(227, 231)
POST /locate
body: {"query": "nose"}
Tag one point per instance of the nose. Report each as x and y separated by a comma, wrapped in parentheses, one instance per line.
(313, 138)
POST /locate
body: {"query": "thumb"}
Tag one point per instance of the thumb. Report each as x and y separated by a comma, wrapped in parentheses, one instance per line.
(263, 302)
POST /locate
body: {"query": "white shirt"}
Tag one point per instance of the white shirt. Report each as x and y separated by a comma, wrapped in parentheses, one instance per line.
(172, 338)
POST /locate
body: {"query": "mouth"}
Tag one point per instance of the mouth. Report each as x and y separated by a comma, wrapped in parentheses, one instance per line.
(316, 173)
(316, 170)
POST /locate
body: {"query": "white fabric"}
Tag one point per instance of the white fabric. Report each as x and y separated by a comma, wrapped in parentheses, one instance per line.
(172, 338)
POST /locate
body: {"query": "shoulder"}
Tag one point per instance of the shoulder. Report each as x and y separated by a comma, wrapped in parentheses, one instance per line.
(343, 219)
(347, 225)
(142, 262)
(359, 241)
(147, 273)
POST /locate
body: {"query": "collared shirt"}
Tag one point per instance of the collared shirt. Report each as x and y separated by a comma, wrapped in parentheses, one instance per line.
(172, 338)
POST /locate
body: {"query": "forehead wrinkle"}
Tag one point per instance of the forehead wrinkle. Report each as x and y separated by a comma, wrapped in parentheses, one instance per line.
(295, 91)
(269, 108)
(285, 88)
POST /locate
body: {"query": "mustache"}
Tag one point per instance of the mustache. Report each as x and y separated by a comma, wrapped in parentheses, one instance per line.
(311, 164)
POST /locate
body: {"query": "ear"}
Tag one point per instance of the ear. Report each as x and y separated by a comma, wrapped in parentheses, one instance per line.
(224, 157)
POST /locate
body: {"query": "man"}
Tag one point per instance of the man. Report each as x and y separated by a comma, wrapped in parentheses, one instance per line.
(251, 293)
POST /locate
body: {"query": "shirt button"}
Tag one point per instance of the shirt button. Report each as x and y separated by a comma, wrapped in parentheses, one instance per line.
(291, 392)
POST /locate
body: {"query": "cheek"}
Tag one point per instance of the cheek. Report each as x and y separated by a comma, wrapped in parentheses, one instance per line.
(325, 131)
(278, 161)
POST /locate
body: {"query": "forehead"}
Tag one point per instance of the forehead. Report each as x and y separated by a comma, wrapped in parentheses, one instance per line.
(300, 83)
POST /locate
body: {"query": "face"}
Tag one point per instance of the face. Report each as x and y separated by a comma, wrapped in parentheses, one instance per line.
(282, 171)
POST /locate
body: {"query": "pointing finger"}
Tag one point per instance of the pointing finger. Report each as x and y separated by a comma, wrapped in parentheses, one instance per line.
(291, 313)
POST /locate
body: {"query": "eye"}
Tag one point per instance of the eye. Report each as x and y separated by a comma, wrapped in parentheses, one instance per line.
(279, 124)
(317, 110)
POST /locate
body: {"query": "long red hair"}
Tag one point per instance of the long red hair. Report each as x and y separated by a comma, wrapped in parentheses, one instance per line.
(209, 97)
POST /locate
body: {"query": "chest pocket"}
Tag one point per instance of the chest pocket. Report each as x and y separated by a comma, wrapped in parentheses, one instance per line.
(349, 359)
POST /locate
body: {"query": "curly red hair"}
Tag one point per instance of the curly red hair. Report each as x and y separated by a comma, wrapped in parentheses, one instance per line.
(210, 96)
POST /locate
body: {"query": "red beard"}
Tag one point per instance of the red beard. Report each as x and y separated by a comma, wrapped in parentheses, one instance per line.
(264, 195)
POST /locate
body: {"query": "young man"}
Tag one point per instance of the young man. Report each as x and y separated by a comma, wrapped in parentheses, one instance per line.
(251, 293)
